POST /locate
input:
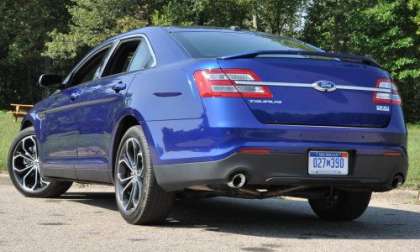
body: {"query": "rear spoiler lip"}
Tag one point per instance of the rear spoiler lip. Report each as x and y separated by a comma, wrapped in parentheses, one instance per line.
(342, 56)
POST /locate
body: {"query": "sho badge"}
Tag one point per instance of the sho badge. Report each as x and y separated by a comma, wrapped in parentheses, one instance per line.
(382, 108)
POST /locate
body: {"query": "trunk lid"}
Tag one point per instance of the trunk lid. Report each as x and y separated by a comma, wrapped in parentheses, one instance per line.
(299, 98)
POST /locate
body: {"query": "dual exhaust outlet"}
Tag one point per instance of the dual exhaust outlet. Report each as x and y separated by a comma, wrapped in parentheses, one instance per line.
(237, 181)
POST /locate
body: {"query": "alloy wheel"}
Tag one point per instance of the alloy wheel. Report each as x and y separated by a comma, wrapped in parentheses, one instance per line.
(130, 175)
(25, 164)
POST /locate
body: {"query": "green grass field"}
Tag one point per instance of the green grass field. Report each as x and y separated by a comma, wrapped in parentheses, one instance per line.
(414, 155)
(9, 129)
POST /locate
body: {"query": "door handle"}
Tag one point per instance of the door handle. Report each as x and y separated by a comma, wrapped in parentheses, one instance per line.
(119, 87)
(74, 95)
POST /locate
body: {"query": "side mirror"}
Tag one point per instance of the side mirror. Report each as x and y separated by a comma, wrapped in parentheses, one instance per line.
(50, 80)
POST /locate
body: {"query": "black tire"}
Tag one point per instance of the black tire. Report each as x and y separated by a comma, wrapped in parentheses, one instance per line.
(344, 206)
(154, 203)
(50, 190)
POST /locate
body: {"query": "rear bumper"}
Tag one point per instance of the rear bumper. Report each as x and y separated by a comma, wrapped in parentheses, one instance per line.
(366, 171)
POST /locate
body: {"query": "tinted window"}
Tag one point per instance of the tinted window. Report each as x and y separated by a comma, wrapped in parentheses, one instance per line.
(208, 44)
(143, 58)
(122, 57)
(90, 69)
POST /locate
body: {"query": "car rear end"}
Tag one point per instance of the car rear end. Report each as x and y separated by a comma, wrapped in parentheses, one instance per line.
(283, 114)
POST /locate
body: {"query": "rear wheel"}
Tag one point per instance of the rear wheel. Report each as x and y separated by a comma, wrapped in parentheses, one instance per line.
(139, 198)
(342, 206)
(24, 168)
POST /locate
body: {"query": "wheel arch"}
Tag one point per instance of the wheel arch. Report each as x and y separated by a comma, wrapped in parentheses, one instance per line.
(26, 124)
(126, 121)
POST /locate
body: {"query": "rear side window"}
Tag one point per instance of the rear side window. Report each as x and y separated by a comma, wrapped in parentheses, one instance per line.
(122, 57)
(130, 56)
(210, 44)
(143, 58)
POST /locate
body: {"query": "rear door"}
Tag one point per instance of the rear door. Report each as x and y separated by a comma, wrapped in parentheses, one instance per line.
(103, 100)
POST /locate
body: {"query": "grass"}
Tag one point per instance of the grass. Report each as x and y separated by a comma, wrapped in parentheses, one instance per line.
(9, 129)
(413, 179)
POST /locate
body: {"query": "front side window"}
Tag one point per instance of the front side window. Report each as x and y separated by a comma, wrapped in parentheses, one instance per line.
(90, 69)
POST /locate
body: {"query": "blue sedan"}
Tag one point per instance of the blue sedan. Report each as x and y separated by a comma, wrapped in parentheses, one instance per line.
(165, 112)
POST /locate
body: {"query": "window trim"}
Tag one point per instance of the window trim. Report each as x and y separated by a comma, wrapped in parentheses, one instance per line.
(117, 46)
(118, 42)
(89, 56)
(112, 45)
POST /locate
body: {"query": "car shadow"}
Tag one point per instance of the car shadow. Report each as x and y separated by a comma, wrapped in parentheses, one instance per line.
(279, 218)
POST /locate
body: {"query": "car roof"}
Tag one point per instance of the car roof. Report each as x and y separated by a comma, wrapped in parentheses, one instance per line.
(150, 29)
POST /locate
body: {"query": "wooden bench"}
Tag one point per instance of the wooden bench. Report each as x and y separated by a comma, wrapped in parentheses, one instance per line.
(20, 110)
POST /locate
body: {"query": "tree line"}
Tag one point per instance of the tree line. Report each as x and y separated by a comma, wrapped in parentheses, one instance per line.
(38, 36)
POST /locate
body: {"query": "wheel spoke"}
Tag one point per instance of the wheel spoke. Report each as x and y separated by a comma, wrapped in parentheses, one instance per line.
(139, 189)
(23, 169)
(24, 156)
(123, 180)
(24, 147)
(130, 199)
(135, 152)
(43, 182)
(35, 149)
(26, 176)
(35, 180)
(126, 163)
(127, 153)
(127, 186)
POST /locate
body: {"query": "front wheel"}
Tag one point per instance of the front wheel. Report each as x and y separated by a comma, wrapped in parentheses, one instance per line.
(342, 206)
(139, 198)
(23, 166)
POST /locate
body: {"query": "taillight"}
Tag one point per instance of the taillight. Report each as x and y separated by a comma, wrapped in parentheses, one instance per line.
(388, 93)
(221, 83)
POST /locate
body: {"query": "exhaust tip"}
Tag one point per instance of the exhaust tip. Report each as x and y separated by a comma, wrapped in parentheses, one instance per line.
(397, 181)
(237, 181)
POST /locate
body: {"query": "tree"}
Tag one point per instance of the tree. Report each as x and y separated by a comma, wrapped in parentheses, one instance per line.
(23, 33)
(275, 16)
(278, 16)
(93, 21)
(222, 13)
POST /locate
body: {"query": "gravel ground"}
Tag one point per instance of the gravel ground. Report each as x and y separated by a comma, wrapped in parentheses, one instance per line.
(86, 219)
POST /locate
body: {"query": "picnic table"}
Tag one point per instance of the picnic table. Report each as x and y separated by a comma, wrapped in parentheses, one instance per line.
(20, 110)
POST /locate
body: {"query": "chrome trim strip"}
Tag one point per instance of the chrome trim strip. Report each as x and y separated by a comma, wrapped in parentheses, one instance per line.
(310, 85)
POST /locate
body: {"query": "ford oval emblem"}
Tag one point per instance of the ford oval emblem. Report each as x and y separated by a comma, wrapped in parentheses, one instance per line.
(324, 86)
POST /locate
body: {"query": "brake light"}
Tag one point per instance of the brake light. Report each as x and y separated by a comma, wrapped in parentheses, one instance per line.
(221, 83)
(388, 94)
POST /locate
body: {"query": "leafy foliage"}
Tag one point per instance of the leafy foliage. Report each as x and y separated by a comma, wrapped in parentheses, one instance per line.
(92, 21)
(22, 39)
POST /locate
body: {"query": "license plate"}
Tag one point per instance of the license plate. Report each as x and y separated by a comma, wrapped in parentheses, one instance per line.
(328, 163)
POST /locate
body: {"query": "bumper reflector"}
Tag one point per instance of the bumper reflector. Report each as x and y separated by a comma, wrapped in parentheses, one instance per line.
(255, 151)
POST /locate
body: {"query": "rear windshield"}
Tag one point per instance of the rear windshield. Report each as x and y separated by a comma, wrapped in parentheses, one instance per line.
(211, 44)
